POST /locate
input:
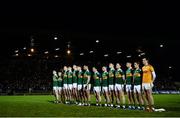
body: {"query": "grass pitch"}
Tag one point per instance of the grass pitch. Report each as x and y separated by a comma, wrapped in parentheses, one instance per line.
(42, 105)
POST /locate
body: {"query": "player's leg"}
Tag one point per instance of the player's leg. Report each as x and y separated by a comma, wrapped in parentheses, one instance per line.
(76, 95)
(84, 95)
(136, 97)
(70, 93)
(104, 94)
(145, 97)
(150, 99)
(99, 97)
(129, 96)
(62, 95)
(122, 96)
(141, 102)
(57, 95)
(132, 97)
(112, 97)
(107, 97)
(111, 94)
(67, 94)
(129, 99)
(139, 96)
(88, 94)
(95, 93)
(54, 93)
(117, 96)
(80, 95)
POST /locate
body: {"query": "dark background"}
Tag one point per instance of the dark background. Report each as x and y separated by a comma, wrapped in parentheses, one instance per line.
(119, 26)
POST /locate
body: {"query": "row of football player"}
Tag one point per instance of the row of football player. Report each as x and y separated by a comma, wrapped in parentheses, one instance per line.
(74, 86)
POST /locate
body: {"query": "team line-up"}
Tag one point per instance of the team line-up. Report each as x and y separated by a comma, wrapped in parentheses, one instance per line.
(72, 86)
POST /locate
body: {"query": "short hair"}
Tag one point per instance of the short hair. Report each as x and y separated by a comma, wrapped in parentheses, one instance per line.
(118, 63)
(104, 67)
(94, 67)
(146, 58)
(137, 62)
(129, 62)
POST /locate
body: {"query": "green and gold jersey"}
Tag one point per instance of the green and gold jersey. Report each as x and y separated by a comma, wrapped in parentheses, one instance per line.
(129, 76)
(55, 81)
(105, 79)
(80, 78)
(96, 78)
(65, 77)
(85, 76)
(119, 76)
(60, 83)
(75, 76)
(137, 77)
(70, 75)
(111, 77)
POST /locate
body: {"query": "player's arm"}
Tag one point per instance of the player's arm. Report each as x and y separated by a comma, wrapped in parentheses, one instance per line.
(124, 78)
(153, 74)
(100, 77)
(132, 80)
(114, 77)
(89, 77)
(141, 73)
(123, 75)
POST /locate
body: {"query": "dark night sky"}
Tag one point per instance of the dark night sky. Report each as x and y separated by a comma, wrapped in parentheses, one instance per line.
(135, 23)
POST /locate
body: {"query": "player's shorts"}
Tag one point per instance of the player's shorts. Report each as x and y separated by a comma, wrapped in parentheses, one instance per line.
(119, 87)
(65, 86)
(55, 88)
(59, 88)
(105, 89)
(88, 87)
(111, 87)
(79, 87)
(74, 85)
(97, 89)
(137, 88)
(128, 88)
(147, 86)
(70, 86)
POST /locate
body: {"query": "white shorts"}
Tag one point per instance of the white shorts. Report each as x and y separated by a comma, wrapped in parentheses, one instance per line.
(79, 87)
(97, 89)
(59, 88)
(74, 85)
(137, 88)
(55, 88)
(147, 86)
(65, 86)
(111, 87)
(70, 86)
(128, 88)
(105, 89)
(88, 87)
(119, 87)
